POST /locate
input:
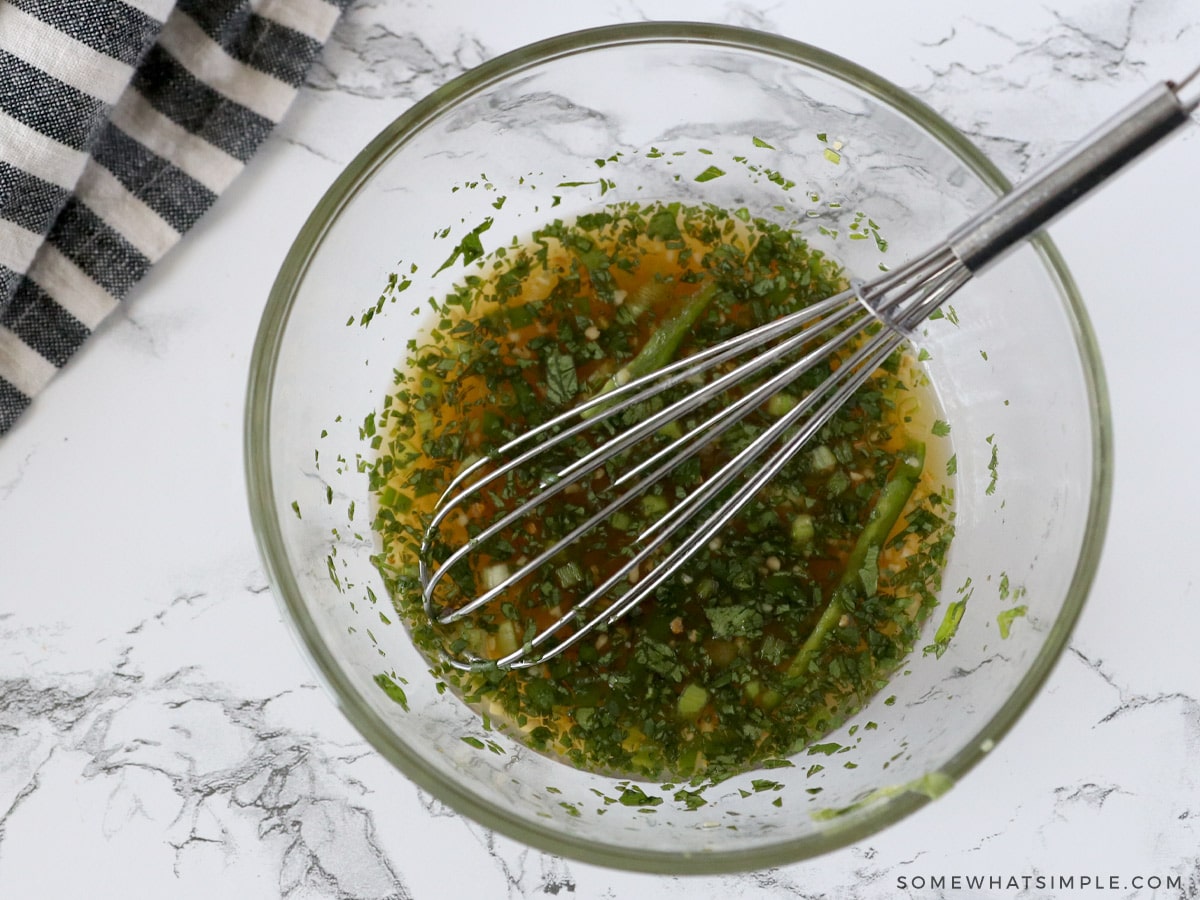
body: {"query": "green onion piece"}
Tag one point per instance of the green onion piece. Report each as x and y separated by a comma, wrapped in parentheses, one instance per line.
(781, 404)
(654, 505)
(692, 701)
(494, 575)
(1007, 617)
(823, 459)
(569, 574)
(506, 639)
(803, 531)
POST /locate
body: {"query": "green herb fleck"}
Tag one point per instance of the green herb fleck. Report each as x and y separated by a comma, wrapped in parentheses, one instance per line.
(690, 799)
(633, 795)
(827, 749)
(393, 690)
(778, 764)
(470, 248)
(734, 621)
(562, 383)
(993, 466)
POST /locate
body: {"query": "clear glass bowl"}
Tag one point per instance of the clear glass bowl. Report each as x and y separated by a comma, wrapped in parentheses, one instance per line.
(1016, 369)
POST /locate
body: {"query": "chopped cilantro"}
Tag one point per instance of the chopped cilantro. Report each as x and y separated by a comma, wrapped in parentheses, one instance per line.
(562, 384)
(733, 621)
(826, 749)
(633, 795)
(710, 173)
(393, 690)
(470, 248)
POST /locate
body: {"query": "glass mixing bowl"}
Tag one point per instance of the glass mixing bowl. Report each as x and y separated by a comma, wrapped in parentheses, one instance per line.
(642, 112)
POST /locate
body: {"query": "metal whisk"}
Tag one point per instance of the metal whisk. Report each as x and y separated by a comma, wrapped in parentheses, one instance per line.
(862, 326)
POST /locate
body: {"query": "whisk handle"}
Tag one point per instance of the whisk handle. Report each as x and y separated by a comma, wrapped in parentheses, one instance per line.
(1035, 202)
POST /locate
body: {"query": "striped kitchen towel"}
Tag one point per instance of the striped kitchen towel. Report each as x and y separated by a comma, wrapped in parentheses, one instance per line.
(120, 123)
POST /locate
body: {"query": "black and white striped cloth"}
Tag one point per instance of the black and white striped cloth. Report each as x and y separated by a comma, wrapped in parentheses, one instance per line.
(120, 123)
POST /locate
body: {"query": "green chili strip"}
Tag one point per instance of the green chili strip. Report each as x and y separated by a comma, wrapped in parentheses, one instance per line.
(660, 347)
(901, 483)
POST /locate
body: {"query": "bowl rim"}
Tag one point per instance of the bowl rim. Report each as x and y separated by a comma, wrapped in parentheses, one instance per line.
(265, 512)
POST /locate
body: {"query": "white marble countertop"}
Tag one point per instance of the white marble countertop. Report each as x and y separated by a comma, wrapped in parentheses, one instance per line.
(161, 735)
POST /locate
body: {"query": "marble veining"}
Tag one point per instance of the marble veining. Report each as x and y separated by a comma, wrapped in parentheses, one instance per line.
(161, 735)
